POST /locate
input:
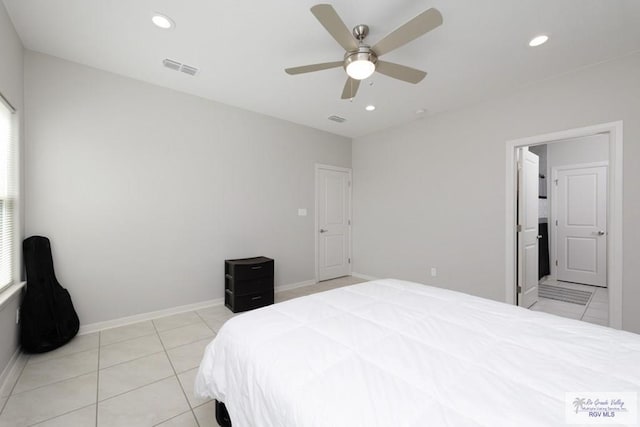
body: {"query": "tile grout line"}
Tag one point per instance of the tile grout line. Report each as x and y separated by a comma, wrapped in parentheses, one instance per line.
(129, 339)
(155, 329)
(136, 388)
(586, 307)
(61, 355)
(172, 418)
(154, 353)
(176, 374)
(13, 387)
(61, 415)
(75, 353)
(208, 326)
(4, 404)
(132, 360)
(52, 383)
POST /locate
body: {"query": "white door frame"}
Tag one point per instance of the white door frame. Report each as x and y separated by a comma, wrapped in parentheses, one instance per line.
(319, 166)
(553, 197)
(614, 204)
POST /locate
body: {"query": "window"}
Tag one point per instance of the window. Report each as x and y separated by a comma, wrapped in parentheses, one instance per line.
(8, 194)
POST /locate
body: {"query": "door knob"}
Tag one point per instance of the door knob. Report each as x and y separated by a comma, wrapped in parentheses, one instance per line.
(539, 236)
(322, 230)
(601, 233)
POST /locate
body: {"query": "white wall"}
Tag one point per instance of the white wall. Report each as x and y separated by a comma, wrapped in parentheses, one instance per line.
(11, 83)
(578, 150)
(432, 193)
(145, 191)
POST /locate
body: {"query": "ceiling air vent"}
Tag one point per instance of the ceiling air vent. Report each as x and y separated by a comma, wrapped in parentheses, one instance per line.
(187, 69)
(169, 63)
(337, 119)
(179, 66)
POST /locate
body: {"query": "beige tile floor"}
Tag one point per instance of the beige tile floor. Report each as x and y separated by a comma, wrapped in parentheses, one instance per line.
(596, 311)
(135, 375)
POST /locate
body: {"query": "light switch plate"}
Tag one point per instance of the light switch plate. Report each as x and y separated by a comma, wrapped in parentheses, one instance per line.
(302, 212)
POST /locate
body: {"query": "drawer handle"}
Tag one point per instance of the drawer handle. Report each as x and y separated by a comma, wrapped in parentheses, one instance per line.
(256, 268)
(256, 298)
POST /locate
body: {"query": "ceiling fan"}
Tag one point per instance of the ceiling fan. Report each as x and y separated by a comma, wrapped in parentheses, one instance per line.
(361, 60)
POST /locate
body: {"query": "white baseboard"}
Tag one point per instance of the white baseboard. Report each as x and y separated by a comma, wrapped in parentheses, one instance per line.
(11, 372)
(282, 288)
(363, 276)
(123, 321)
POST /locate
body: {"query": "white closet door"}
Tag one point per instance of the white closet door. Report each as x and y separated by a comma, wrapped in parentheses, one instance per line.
(582, 225)
(333, 223)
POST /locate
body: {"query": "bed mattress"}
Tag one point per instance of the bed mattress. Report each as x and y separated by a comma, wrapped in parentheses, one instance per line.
(396, 353)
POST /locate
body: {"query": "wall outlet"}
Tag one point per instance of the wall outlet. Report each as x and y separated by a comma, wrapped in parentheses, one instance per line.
(302, 212)
(18, 315)
(434, 272)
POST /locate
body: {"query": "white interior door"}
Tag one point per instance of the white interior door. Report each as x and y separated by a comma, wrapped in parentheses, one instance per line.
(528, 187)
(334, 222)
(581, 230)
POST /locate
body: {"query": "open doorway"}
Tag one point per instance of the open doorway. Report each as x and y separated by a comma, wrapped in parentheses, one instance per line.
(572, 222)
(564, 223)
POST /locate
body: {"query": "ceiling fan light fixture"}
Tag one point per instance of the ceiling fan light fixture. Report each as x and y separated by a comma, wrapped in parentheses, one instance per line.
(360, 65)
(361, 69)
(360, 60)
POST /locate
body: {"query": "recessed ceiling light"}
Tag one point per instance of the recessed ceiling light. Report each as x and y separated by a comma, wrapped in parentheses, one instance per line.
(420, 111)
(538, 40)
(162, 21)
(370, 107)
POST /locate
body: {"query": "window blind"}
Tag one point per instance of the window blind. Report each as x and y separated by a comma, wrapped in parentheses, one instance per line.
(8, 193)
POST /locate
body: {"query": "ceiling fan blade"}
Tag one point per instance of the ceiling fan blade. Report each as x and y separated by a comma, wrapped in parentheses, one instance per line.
(400, 72)
(421, 24)
(313, 67)
(328, 17)
(350, 88)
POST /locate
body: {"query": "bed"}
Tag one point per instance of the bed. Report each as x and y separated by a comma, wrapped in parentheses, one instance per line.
(396, 353)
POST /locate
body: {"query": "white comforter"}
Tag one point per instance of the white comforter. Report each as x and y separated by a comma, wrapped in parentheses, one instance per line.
(395, 353)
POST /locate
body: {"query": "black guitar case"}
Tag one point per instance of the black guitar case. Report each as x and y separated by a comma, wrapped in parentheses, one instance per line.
(47, 317)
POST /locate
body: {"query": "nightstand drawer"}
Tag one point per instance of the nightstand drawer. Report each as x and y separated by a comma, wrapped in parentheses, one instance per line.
(250, 286)
(254, 270)
(239, 303)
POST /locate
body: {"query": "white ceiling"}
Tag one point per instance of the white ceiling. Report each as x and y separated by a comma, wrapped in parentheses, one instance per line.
(242, 47)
